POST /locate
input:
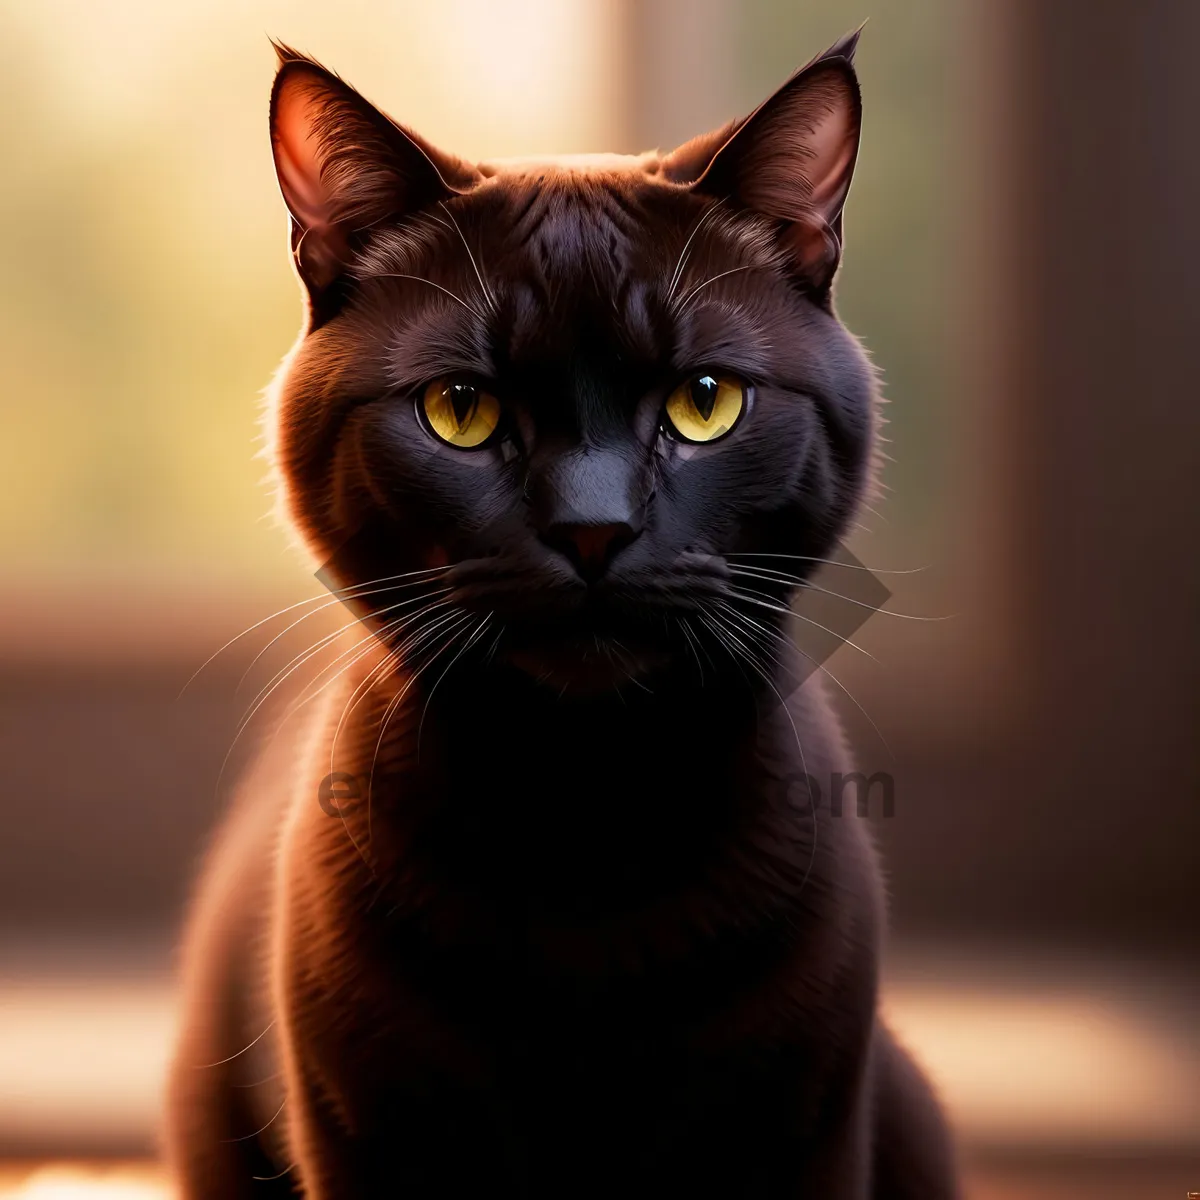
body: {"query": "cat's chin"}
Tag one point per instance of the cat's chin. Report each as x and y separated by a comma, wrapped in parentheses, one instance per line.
(586, 670)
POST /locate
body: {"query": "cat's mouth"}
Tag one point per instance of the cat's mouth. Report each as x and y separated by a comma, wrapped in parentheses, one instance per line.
(587, 667)
(575, 659)
(583, 640)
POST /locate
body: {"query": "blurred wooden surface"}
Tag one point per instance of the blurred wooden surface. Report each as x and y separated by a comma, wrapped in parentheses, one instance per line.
(1148, 1181)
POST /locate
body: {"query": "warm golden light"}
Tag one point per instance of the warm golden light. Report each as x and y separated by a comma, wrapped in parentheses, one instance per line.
(79, 1183)
(148, 297)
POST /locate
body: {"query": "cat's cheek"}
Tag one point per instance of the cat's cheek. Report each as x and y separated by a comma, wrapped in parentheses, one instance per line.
(392, 453)
(421, 483)
(688, 452)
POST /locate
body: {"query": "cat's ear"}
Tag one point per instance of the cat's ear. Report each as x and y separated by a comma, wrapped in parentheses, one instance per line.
(791, 160)
(343, 166)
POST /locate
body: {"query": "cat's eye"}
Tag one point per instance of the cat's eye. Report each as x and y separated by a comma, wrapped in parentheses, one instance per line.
(705, 407)
(461, 414)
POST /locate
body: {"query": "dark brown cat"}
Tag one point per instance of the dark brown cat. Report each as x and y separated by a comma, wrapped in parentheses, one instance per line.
(570, 434)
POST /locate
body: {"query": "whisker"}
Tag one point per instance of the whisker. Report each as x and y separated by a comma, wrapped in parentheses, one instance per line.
(259, 1082)
(491, 654)
(282, 675)
(385, 668)
(248, 1046)
(706, 618)
(820, 666)
(690, 637)
(705, 217)
(626, 658)
(348, 592)
(429, 696)
(395, 703)
(445, 291)
(266, 693)
(887, 612)
(750, 653)
(754, 629)
(330, 604)
(764, 630)
(853, 699)
(258, 703)
(711, 279)
(389, 662)
(360, 693)
(829, 562)
(359, 651)
(377, 673)
(248, 1136)
(768, 575)
(812, 804)
(271, 1178)
(748, 597)
(488, 294)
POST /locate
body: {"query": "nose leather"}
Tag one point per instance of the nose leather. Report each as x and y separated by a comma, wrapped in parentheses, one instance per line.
(590, 547)
(588, 505)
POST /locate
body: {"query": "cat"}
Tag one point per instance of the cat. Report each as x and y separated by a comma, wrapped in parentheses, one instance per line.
(569, 433)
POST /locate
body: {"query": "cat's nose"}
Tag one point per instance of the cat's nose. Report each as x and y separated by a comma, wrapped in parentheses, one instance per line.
(590, 547)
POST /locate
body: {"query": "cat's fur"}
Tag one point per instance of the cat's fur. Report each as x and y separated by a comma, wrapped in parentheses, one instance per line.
(589, 936)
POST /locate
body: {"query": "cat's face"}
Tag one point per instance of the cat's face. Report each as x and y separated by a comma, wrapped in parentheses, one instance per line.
(557, 396)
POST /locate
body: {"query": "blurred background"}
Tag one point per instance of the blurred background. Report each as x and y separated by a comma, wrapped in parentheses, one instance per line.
(1022, 265)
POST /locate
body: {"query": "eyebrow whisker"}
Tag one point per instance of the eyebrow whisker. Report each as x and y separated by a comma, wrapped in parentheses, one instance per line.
(711, 279)
(445, 291)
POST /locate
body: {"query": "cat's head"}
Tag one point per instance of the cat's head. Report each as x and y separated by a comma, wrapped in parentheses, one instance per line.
(565, 399)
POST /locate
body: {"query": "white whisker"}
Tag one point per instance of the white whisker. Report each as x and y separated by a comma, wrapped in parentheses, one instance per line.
(281, 677)
(248, 1046)
(263, 1129)
(820, 666)
(690, 637)
(488, 295)
(329, 604)
(285, 672)
(829, 562)
(348, 592)
(677, 274)
(764, 630)
(747, 596)
(398, 699)
(766, 574)
(278, 1175)
(429, 696)
(445, 291)
(711, 279)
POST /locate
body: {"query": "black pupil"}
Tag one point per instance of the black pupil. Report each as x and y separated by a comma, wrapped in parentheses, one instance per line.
(463, 399)
(704, 395)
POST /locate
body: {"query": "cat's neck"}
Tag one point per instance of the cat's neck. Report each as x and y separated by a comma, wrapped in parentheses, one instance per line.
(488, 787)
(493, 731)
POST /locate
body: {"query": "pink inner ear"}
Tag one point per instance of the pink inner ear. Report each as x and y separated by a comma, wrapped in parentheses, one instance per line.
(296, 155)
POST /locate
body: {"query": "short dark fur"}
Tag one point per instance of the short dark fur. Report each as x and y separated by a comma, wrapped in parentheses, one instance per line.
(588, 937)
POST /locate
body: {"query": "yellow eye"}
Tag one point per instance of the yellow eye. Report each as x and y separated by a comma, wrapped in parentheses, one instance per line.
(706, 407)
(460, 414)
